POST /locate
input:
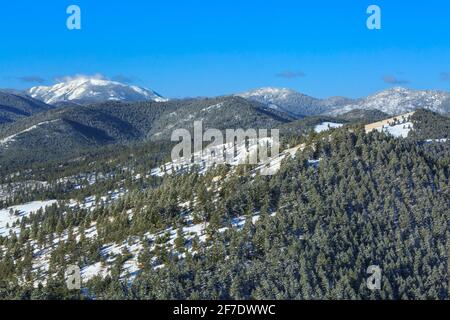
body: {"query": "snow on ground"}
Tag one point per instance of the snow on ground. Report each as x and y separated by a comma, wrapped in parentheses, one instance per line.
(325, 126)
(134, 246)
(91, 201)
(314, 162)
(92, 270)
(110, 251)
(23, 210)
(436, 140)
(5, 141)
(398, 126)
(10, 189)
(93, 90)
(206, 159)
(209, 157)
(273, 165)
(216, 106)
(399, 130)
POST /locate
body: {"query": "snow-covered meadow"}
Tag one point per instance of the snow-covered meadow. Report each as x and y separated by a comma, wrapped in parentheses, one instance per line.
(13, 214)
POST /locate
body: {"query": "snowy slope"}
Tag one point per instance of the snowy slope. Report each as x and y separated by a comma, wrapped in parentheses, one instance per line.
(6, 219)
(275, 98)
(208, 159)
(393, 101)
(325, 126)
(91, 90)
(7, 140)
(398, 126)
(294, 102)
(400, 100)
(399, 130)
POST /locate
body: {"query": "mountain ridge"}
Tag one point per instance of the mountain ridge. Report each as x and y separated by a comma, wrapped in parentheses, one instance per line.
(293, 102)
(392, 101)
(64, 130)
(85, 90)
(15, 106)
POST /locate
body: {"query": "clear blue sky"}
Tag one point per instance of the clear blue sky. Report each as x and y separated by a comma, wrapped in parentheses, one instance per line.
(211, 47)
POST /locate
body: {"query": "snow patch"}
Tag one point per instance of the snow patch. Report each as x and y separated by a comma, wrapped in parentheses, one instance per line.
(325, 126)
(23, 210)
(5, 141)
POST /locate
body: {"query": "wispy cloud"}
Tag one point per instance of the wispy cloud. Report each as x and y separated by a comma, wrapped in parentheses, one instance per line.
(119, 78)
(445, 76)
(394, 80)
(31, 79)
(125, 78)
(79, 76)
(291, 74)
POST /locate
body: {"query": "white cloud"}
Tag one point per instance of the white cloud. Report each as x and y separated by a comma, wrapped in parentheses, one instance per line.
(97, 76)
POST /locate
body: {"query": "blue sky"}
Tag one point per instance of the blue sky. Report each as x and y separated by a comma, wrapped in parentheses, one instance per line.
(205, 48)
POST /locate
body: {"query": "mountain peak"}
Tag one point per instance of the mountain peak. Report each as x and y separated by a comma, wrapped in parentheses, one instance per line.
(293, 102)
(400, 89)
(267, 92)
(399, 100)
(396, 100)
(85, 89)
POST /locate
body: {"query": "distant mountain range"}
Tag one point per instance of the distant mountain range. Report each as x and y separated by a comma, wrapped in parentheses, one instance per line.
(62, 131)
(393, 101)
(400, 100)
(89, 90)
(294, 102)
(83, 91)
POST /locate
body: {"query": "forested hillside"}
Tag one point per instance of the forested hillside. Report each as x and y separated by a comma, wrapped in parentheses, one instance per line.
(430, 126)
(346, 201)
(15, 106)
(66, 133)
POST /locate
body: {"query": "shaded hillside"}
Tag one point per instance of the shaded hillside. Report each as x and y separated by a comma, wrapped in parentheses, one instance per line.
(14, 106)
(65, 132)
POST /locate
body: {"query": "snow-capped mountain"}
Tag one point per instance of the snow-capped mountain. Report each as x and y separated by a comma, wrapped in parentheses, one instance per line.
(270, 95)
(294, 102)
(393, 101)
(91, 90)
(401, 100)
